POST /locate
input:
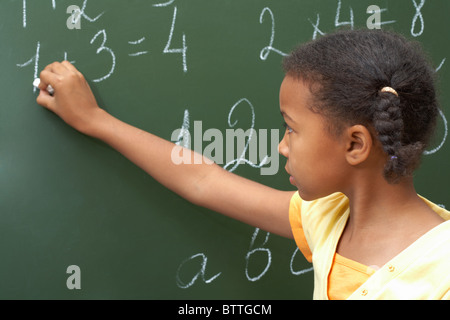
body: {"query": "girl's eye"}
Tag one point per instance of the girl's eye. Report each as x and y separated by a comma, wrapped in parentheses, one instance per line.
(287, 127)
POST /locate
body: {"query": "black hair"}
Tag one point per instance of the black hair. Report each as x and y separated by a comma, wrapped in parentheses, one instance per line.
(346, 71)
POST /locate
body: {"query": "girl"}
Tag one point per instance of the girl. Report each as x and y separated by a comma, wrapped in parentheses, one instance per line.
(359, 108)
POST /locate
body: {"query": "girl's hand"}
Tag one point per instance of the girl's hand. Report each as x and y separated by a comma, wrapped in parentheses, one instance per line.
(73, 100)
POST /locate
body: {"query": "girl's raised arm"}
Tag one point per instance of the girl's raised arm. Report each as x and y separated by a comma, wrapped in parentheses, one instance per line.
(204, 184)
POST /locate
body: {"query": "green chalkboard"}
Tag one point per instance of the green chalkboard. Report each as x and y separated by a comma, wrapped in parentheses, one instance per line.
(69, 200)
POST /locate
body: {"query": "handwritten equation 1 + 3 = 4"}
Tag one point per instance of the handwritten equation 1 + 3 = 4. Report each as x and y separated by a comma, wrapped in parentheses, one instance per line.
(100, 41)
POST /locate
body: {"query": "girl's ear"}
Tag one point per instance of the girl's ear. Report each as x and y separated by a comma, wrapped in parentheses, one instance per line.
(358, 144)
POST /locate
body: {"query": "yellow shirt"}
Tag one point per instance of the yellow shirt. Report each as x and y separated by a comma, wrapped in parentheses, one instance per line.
(421, 271)
(346, 276)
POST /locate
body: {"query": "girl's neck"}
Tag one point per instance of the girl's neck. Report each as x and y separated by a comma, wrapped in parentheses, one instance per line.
(384, 220)
(377, 203)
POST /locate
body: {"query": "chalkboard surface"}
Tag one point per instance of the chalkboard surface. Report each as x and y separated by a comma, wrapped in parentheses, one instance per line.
(79, 221)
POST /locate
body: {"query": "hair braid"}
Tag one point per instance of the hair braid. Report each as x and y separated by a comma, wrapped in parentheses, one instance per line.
(388, 123)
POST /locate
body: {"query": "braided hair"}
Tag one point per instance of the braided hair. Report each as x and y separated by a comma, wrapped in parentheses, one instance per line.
(348, 72)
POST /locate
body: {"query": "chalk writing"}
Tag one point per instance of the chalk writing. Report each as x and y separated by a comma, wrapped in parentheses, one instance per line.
(184, 138)
(136, 43)
(444, 119)
(102, 48)
(373, 22)
(246, 141)
(338, 23)
(386, 22)
(266, 50)
(164, 4)
(182, 50)
(24, 13)
(85, 16)
(316, 27)
(253, 251)
(418, 16)
(241, 159)
(291, 265)
(440, 65)
(199, 275)
(35, 58)
(75, 21)
(428, 152)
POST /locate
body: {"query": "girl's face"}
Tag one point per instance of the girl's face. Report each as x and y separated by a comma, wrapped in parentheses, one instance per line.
(315, 159)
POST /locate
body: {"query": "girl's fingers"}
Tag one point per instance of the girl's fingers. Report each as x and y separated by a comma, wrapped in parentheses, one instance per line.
(69, 66)
(48, 78)
(56, 67)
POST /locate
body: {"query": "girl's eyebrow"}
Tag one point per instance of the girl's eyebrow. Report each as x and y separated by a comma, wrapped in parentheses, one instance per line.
(285, 115)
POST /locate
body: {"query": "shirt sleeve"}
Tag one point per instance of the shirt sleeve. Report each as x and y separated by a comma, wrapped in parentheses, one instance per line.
(295, 220)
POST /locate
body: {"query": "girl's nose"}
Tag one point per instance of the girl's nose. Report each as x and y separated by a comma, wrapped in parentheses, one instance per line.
(283, 147)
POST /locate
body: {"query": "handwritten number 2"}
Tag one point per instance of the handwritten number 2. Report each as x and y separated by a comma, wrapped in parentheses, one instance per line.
(102, 48)
(266, 50)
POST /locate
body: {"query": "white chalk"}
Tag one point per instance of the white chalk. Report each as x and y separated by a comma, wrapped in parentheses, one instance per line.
(50, 89)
